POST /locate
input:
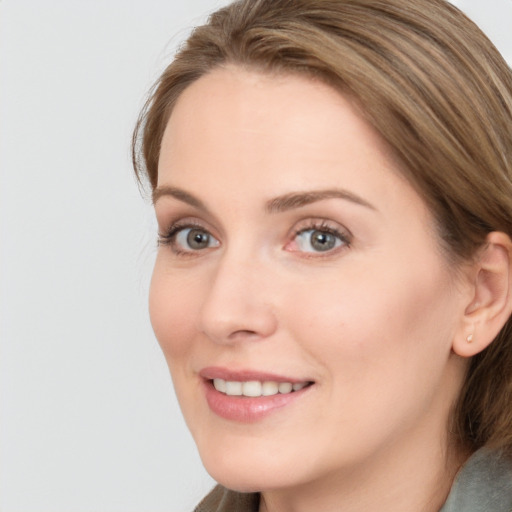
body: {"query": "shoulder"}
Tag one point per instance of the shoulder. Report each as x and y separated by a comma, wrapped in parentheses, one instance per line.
(484, 484)
(221, 499)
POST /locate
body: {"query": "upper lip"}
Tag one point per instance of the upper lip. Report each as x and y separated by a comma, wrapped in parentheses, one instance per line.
(216, 372)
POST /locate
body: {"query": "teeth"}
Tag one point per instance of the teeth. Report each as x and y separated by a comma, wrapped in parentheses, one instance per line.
(233, 388)
(269, 388)
(220, 385)
(251, 388)
(285, 387)
(254, 388)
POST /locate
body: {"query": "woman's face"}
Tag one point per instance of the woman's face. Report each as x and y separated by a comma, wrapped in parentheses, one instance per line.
(293, 255)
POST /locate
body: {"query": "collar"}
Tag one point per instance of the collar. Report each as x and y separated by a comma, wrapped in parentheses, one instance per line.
(484, 484)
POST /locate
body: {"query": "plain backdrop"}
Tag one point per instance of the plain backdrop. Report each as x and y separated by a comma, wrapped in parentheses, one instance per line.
(88, 417)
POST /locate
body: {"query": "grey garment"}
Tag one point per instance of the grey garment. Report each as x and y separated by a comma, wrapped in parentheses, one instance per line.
(484, 484)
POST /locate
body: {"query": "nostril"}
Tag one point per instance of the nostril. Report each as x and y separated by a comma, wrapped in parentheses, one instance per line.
(243, 333)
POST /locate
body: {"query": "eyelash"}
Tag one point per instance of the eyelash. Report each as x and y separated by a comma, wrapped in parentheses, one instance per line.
(322, 226)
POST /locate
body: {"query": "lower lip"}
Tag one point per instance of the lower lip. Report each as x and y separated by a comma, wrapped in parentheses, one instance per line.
(248, 409)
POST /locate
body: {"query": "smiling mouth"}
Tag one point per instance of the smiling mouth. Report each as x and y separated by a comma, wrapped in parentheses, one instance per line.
(255, 388)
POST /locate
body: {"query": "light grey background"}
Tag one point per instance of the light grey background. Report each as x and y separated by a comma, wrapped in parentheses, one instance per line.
(88, 418)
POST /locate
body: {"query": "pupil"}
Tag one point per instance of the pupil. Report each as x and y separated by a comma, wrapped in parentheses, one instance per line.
(197, 239)
(322, 241)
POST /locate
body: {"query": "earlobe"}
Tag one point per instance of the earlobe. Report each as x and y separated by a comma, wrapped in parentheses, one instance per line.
(491, 304)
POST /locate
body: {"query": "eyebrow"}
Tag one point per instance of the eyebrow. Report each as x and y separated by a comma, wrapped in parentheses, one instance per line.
(180, 195)
(279, 204)
(299, 199)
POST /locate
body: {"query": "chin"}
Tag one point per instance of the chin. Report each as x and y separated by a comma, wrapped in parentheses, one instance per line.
(256, 464)
(239, 470)
(250, 479)
(253, 467)
(240, 482)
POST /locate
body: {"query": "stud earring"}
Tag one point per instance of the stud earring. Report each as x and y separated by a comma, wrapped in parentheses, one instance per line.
(469, 339)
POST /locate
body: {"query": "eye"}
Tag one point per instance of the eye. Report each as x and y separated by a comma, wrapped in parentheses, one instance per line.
(315, 240)
(195, 239)
(188, 239)
(318, 239)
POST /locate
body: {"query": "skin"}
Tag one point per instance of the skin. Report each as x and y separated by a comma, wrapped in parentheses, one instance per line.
(372, 322)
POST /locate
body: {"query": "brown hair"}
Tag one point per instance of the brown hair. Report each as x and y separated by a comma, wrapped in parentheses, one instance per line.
(432, 85)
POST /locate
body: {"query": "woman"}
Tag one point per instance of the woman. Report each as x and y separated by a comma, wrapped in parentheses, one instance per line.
(332, 291)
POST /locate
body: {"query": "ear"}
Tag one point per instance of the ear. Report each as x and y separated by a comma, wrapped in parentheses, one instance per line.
(491, 303)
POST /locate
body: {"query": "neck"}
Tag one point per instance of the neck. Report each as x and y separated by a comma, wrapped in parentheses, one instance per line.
(397, 480)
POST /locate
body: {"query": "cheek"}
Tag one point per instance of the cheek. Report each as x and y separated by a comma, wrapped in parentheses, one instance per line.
(172, 311)
(383, 346)
(367, 327)
(172, 308)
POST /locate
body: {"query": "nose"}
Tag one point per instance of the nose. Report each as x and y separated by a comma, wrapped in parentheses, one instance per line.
(238, 305)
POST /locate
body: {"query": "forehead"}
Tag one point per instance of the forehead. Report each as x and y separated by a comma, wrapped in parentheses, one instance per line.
(248, 114)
